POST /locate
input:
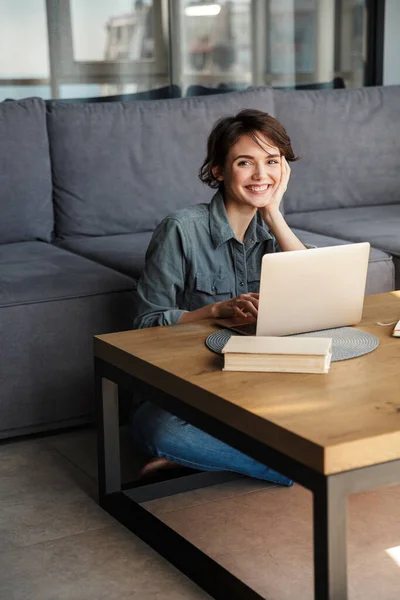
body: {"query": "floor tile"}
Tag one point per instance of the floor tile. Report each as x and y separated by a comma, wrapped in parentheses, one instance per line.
(374, 528)
(265, 538)
(242, 485)
(39, 500)
(64, 513)
(18, 455)
(109, 564)
(32, 474)
(80, 448)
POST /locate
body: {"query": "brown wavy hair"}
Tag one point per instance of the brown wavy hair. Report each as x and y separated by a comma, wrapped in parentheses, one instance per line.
(227, 131)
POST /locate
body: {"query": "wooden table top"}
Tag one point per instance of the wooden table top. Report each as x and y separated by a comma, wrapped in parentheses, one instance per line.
(346, 419)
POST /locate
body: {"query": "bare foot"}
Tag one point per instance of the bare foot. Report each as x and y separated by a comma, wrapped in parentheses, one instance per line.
(157, 464)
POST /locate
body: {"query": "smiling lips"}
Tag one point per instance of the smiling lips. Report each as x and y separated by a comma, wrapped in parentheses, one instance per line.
(258, 189)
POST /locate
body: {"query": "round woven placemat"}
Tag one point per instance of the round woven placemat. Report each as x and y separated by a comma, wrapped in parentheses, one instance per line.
(347, 342)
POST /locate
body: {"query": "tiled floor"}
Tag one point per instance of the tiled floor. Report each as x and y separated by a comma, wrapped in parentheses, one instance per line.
(57, 544)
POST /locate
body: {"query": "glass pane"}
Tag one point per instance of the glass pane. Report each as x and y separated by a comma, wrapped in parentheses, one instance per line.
(24, 48)
(216, 42)
(292, 42)
(391, 75)
(93, 90)
(112, 30)
(18, 92)
(352, 37)
(305, 44)
(81, 90)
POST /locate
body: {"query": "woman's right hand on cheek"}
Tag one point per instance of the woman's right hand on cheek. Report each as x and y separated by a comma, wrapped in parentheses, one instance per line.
(242, 306)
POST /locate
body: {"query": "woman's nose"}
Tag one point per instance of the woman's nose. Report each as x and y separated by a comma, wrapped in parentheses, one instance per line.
(261, 172)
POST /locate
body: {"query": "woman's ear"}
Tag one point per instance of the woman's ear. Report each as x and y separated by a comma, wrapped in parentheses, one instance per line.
(217, 173)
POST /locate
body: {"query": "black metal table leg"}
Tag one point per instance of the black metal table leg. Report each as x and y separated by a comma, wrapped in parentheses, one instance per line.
(330, 560)
(109, 468)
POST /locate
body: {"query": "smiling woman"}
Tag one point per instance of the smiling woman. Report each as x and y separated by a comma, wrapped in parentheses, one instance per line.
(205, 261)
(247, 160)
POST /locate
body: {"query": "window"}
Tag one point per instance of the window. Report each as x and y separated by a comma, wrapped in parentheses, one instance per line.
(24, 52)
(283, 43)
(108, 43)
(103, 47)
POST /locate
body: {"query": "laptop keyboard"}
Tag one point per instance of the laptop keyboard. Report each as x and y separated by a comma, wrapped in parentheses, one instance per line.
(245, 329)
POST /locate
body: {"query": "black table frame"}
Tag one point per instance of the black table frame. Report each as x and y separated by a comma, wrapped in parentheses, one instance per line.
(123, 501)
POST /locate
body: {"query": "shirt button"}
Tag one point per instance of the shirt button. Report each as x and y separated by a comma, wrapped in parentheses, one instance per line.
(241, 283)
(213, 288)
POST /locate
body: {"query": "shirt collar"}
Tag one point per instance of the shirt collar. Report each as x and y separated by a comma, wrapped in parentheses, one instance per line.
(221, 230)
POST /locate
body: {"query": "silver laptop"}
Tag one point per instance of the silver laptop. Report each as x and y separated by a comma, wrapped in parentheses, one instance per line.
(309, 290)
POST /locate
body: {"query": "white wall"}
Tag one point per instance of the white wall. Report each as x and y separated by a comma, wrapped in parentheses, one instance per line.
(391, 55)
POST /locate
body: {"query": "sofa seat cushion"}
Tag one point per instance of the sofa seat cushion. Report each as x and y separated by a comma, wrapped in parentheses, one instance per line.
(124, 253)
(349, 143)
(33, 272)
(381, 270)
(121, 167)
(25, 172)
(316, 239)
(379, 225)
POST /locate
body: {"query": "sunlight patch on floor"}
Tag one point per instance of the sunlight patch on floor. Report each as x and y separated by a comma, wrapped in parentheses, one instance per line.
(395, 554)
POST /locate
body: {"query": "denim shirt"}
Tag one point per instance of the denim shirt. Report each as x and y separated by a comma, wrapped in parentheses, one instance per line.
(194, 259)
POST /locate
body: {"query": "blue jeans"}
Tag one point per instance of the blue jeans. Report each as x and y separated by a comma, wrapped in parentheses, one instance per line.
(162, 434)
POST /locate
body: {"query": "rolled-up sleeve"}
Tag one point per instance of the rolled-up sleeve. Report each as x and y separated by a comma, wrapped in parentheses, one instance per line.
(161, 284)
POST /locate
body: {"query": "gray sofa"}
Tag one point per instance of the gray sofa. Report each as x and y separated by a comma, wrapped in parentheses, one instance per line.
(82, 187)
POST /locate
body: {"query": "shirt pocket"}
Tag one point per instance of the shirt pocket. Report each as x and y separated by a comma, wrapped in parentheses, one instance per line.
(209, 288)
(253, 281)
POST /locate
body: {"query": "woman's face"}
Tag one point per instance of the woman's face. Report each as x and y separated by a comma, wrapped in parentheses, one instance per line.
(251, 172)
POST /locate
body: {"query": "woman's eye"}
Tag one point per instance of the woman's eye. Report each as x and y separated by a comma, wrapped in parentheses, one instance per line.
(243, 163)
(272, 161)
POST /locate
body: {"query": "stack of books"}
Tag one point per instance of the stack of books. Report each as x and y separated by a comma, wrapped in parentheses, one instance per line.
(278, 354)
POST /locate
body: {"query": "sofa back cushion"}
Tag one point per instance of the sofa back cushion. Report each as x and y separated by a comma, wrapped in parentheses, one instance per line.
(349, 141)
(122, 167)
(26, 211)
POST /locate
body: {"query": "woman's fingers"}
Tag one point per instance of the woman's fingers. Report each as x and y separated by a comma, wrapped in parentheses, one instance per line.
(285, 172)
(238, 312)
(242, 306)
(248, 301)
(248, 306)
(250, 297)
